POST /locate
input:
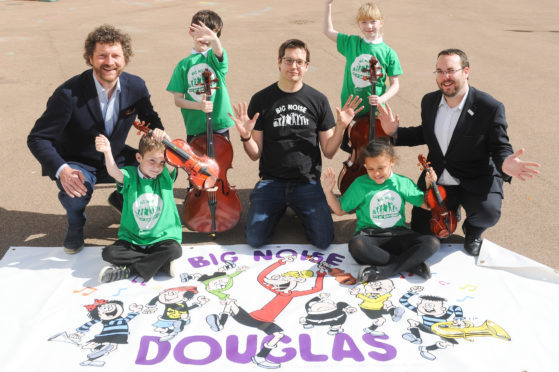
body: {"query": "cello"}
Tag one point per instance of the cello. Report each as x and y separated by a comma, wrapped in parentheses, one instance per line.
(443, 221)
(363, 130)
(217, 209)
(180, 155)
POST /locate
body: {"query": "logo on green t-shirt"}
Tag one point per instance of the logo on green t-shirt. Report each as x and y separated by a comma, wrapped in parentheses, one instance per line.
(147, 210)
(196, 80)
(385, 208)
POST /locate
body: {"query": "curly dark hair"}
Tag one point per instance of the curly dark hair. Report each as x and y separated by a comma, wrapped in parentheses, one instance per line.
(107, 34)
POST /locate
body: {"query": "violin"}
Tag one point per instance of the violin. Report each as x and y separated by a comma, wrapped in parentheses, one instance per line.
(217, 209)
(443, 221)
(180, 155)
(364, 129)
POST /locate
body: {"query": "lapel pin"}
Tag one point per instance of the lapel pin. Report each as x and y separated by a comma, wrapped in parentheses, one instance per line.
(470, 112)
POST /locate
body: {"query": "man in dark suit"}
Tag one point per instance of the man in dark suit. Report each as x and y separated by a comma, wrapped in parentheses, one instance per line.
(466, 132)
(103, 100)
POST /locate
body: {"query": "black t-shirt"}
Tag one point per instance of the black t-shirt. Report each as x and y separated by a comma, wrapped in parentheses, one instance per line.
(290, 123)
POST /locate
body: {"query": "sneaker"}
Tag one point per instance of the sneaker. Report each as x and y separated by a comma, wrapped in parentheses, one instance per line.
(372, 332)
(422, 270)
(73, 241)
(213, 322)
(170, 268)
(113, 273)
(398, 313)
(116, 201)
(426, 354)
(265, 363)
(369, 274)
(411, 338)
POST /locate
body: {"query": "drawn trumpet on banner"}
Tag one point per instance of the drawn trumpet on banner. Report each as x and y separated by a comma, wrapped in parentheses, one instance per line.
(489, 328)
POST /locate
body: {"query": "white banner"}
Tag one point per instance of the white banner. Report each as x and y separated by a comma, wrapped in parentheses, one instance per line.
(235, 308)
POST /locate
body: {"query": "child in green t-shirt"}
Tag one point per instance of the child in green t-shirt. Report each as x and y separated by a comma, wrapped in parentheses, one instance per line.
(186, 84)
(358, 51)
(150, 233)
(382, 241)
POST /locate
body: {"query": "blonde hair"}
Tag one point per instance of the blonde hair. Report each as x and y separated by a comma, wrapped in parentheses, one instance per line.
(369, 11)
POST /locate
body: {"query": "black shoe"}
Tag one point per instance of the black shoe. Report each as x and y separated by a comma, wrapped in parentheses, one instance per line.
(116, 201)
(112, 273)
(422, 270)
(73, 241)
(472, 243)
(369, 274)
(472, 246)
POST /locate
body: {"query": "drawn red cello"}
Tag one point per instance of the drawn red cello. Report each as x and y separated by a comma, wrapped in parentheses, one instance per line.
(217, 209)
(365, 129)
(443, 221)
(180, 155)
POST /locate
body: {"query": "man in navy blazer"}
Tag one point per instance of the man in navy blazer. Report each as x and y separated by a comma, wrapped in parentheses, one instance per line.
(466, 132)
(102, 100)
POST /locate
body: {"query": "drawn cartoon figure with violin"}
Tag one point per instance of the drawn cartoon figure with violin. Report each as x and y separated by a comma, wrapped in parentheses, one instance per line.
(383, 243)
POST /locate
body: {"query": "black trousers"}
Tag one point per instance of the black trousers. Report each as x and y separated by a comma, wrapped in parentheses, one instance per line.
(482, 211)
(392, 250)
(144, 261)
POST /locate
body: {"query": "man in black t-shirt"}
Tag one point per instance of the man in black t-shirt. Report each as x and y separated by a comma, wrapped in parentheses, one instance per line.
(285, 127)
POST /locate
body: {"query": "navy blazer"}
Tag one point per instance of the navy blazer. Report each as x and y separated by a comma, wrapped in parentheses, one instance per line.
(478, 146)
(67, 129)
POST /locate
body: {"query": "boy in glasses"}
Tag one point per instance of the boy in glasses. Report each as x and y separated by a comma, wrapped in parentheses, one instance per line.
(186, 84)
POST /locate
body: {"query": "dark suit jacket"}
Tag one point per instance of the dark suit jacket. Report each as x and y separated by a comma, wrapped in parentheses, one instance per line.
(478, 145)
(67, 129)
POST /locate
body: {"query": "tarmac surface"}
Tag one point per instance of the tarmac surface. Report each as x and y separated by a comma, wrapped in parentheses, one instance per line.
(513, 50)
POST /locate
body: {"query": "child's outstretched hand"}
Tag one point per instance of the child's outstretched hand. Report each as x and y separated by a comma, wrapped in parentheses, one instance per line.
(202, 33)
(102, 144)
(328, 180)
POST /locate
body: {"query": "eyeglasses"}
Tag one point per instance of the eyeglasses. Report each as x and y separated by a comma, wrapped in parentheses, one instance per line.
(289, 61)
(447, 72)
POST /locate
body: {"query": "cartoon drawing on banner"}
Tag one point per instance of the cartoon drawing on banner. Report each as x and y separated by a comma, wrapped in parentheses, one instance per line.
(321, 311)
(115, 330)
(375, 303)
(282, 285)
(432, 310)
(176, 314)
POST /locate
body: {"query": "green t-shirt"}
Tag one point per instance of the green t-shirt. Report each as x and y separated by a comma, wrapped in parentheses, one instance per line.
(358, 53)
(149, 213)
(186, 79)
(381, 206)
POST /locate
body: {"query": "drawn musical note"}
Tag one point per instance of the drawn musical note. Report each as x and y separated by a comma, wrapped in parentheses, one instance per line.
(120, 290)
(91, 290)
(443, 283)
(474, 287)
(464, 299)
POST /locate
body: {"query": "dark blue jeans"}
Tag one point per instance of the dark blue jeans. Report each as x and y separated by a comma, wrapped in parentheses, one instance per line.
(268, 202)
(75, 207)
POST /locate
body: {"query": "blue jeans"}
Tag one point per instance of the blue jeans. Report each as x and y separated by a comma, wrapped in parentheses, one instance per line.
(268, 202)
(75, 207)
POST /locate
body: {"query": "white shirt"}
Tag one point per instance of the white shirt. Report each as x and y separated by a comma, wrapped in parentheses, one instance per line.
(109, 107)
(109, 110)
(445, 123)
